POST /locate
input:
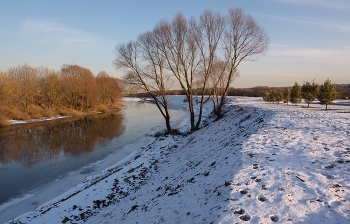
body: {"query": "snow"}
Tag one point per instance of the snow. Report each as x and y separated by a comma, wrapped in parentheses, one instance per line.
(260, 163)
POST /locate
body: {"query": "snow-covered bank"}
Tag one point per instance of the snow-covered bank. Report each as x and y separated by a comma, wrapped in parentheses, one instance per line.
(262, 162)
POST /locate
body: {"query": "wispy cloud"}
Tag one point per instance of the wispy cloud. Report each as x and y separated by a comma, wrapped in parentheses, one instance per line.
(336, 4)
(341, 56)
(50, 31)
(332, 25)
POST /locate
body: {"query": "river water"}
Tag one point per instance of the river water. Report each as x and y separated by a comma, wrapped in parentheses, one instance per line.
(39, 161)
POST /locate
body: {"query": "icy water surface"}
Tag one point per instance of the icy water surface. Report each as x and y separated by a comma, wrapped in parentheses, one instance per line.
(39, 161)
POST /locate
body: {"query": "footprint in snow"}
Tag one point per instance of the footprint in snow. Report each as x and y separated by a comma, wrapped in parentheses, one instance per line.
(239, 211)
(337, 154)
(261, 198)
(274, 218)
(329, 166)
(244, 217)
(242, 191)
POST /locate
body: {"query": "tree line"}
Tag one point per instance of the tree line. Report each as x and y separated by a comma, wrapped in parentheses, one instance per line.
(257, 91)
(201, 55)
(33, 92)
(309, 91)
(343, 91)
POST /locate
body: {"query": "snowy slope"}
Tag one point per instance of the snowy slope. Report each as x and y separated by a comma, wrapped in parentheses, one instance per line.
(261, 163)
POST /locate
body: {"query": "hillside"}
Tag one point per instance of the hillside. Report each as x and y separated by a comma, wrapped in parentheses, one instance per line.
(261, 163)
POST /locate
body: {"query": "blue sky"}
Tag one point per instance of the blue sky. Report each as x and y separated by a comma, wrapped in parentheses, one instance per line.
(310, 39)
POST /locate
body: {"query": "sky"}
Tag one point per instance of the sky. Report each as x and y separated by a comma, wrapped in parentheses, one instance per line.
(309, 39)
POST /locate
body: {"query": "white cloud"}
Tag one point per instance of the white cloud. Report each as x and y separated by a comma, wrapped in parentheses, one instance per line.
(50, 31)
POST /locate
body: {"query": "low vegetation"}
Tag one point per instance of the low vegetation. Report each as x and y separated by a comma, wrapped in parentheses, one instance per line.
(27, 92)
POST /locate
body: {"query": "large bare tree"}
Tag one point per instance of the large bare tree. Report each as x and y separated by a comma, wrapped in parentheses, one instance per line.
(207, 33)
(243, 40)
(202, 53)
(145, 71)
(177, 42)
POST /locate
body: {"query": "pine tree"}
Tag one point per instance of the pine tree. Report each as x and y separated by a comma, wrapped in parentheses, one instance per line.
(272, 96)
(295, 94)
(286, 95)
(279, 95)
(266, 96)
(309, 92)
(327, 93)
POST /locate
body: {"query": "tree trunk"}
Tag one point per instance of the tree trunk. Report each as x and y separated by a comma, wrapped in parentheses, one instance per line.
(167, 123)
(190, 105)
(192, 121)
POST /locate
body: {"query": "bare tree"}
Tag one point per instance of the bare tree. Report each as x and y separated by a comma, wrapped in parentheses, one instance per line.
(243, 40)
(218, 80)
(205, 52)
(9, 90)
(207, 35)
(79, 86)
(189, 48)
(49, 88)
(110, 88)
(145, 71)
(177, 43)
(27, 80)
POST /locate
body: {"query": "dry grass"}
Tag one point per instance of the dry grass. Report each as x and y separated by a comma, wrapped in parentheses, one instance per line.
(37, 112)
(118, 105)
(68, 112)
(101, 108)
(34, 112)
(4, 122)
(12, 113)
(49, 113)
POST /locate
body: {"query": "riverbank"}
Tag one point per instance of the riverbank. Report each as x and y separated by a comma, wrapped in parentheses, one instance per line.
(33, 177)
(261, 163)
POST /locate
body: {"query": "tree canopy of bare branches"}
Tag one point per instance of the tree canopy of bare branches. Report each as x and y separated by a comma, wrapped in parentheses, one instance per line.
(201, 53)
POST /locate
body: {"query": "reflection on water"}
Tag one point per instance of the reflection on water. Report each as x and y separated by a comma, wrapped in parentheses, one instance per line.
(44, 160)
(36, 142)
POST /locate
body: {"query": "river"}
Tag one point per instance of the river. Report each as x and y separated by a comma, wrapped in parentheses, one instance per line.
(39, 161)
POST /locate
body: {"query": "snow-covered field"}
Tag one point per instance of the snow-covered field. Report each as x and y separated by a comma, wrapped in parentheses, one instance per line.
(261, 163)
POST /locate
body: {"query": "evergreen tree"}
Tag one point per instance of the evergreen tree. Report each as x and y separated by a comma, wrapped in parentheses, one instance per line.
(279, 95)
(266, 96)
(272, 96)
(327, 93)
(295, 94)
(286, 95)
(309, 92)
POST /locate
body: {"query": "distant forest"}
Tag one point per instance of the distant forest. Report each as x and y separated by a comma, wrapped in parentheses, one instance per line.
(343, 91)
(34, 92)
